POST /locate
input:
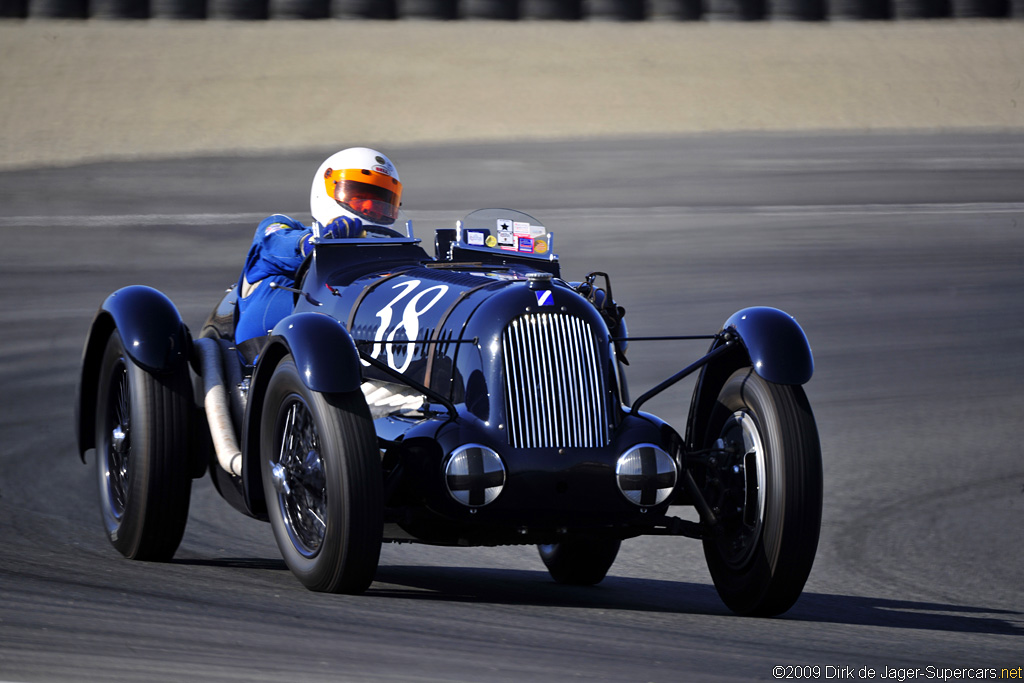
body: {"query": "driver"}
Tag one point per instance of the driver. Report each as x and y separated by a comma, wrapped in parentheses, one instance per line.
(353, 189)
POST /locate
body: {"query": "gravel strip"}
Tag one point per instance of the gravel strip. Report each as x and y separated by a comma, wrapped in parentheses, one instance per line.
(85, 90)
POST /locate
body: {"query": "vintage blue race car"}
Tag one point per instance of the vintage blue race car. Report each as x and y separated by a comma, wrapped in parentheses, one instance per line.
(472, 398)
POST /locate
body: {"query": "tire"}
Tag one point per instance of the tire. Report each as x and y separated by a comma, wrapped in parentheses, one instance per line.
(300, 9)
(248, 10)
(143, 423)
(364, 9)
(177, 9)
(59, 9)
(579, 561)
(615, 10)
(675, 10)
(768, 496)
(16, 9)
(504, 10)
(427, 9)
(119, 9)
(565, 10)
(800, 10)
(323, 483)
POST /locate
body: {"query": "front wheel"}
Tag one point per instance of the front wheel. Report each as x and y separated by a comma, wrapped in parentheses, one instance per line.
(143, 422)
(323, 483)
(764, 482)
(579, 561)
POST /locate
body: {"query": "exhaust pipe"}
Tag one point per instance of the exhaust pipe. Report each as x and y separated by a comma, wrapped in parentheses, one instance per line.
(218, 411)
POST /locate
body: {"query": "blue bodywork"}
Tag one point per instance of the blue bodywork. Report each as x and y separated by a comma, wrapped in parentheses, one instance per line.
(154, 336)
(776, 345)
(460, 327)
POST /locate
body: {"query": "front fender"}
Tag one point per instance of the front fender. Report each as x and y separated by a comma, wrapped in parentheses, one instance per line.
(155, 338)
(328, 361)
(771, 342)
(777, 346)
(323, 349)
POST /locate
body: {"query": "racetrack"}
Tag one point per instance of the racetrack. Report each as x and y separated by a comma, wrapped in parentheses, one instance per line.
(901, 255)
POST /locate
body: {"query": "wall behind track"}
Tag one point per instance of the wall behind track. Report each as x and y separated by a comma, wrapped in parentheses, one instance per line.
(510, 10)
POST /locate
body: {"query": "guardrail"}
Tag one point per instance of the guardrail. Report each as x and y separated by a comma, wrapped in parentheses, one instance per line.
(564, 10)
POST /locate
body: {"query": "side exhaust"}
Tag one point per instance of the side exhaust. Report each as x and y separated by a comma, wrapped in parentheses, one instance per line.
(218, 411)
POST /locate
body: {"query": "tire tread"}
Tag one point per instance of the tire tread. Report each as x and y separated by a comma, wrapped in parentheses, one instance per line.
(774, 579)
(156, 512)
(347, 560)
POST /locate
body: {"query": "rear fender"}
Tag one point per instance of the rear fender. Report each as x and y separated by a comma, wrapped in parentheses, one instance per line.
(771, 342)
(328, 361)
(155, 338)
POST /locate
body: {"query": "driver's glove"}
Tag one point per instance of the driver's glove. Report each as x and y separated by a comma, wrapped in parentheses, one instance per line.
(342, 227)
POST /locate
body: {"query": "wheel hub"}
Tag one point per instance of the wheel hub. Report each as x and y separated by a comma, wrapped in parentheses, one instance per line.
(299, 480)
(119, 440)
(118, 455)
(280, 476)
(739, 484)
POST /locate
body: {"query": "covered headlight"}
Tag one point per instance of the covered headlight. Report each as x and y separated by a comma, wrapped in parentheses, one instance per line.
(474, 475)
(646, 475)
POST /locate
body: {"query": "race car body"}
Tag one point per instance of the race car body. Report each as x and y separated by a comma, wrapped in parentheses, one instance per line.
(472, 398)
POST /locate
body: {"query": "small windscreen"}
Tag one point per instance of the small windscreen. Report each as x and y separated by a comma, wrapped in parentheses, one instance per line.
(506, 230)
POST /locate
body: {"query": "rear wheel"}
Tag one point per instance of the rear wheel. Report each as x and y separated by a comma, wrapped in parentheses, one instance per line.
(765, 485)
(142, 438)
(322, 480)
(579, 561)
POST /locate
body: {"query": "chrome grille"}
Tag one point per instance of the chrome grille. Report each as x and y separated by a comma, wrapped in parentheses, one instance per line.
(553, 387)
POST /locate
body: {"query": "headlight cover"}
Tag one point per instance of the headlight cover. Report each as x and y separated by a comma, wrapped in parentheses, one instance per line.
(474, 475)
(646, 475)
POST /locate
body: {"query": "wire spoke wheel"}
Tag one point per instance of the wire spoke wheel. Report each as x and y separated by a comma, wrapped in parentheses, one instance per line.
(299, 478)
(322, 482)
(143, 423)
(115, 461)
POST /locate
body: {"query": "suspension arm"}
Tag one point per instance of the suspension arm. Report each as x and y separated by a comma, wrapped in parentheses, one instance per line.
(682, 374)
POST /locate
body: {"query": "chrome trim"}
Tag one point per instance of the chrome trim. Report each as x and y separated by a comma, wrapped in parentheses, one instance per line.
(552, 256)
(553, 383)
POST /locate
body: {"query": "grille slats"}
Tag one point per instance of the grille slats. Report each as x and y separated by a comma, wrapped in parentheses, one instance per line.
(554, 394)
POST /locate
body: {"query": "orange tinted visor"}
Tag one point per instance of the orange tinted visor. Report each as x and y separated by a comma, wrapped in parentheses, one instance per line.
(370, 195)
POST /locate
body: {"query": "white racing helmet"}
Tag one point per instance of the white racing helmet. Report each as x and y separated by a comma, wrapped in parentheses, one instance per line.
(356, 182)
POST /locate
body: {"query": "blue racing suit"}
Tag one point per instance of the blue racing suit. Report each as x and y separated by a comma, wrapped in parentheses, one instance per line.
(279, 247)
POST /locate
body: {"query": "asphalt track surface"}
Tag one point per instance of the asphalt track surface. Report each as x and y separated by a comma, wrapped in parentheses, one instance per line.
(901, 255)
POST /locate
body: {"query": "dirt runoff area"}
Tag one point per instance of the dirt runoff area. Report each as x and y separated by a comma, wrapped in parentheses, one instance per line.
(75, 91)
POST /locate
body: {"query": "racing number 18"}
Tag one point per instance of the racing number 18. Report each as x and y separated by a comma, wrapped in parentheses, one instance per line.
(410, 320)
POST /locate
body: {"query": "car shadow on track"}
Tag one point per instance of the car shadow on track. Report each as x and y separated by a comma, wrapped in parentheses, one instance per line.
(911, 614)
(525, 587)
(233, 563)
(515, 587)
